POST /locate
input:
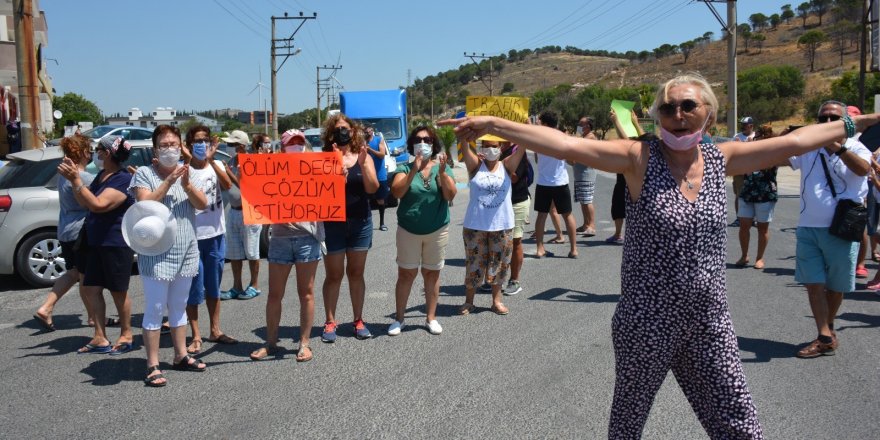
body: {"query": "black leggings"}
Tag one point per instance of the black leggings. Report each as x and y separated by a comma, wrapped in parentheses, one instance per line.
(618, 199)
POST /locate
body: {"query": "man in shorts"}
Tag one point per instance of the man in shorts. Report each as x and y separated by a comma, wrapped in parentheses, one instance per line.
(552, 188)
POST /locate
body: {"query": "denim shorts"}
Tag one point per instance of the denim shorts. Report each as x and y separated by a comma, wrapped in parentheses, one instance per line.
(761, 212)
(354, 234)
(825, 259)
(292, 250)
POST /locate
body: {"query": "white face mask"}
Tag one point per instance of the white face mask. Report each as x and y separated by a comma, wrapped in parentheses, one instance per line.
(424, 150)
(491, 153)
(294, 148)
(99, 163)
(168, 158)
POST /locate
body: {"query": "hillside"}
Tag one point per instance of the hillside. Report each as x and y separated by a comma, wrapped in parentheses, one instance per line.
(545, 70)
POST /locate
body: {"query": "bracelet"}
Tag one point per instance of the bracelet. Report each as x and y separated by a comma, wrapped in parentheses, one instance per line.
(849, 125)
(79, 188)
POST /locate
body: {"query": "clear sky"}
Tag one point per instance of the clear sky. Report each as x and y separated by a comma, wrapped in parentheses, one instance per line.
(208, 54)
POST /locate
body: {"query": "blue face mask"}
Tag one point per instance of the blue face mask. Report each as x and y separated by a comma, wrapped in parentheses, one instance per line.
(200, 150)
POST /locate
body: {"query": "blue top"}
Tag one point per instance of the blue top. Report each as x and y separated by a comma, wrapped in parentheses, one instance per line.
(182, 260)
(379, 163)
(72, 215)
(105, 228)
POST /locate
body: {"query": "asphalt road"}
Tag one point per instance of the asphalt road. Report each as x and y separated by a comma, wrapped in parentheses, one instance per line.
(544, 371)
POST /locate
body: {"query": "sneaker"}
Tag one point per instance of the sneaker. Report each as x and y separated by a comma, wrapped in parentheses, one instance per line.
(395, 328)
(383, 228)
(512, 288)
(361, 331)
(249, 293)
(486, 287)
(329, 333)
(434, 327)
(232, 293)
(816, 349)
(861, 272)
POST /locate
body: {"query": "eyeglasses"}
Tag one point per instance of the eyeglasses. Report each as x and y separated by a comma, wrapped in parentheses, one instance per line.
(686, 106)
(829, 118)
(174, 146)
(425, 139)
(205, 140)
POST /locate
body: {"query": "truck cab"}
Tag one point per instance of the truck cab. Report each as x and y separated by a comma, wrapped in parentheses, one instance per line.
(385, 110)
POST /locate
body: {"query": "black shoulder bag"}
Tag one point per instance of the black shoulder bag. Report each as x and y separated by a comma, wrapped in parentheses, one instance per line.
(850, 216)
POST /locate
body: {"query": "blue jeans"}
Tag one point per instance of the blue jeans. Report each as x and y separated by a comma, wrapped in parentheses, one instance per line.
(211, 259)
(354, 234)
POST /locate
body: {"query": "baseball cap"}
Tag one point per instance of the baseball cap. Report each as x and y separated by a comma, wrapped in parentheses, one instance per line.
(747, 120)
(291, 134)
(853, 110)
(237, 137)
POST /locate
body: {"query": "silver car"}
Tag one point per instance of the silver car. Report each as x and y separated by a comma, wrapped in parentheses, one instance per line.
(29, 212)
(136, 136)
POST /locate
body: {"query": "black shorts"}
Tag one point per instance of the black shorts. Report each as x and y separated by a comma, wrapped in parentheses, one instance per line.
(109, 267)
(74, 259)
(618, 199)
(558, 195)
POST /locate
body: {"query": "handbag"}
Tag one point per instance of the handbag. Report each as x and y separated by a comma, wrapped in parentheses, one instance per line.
(390, 163)
(850, 216)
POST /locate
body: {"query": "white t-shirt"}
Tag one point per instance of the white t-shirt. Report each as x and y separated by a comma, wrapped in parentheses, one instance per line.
(211, 222)
(551, 171)
(817, 202)
(743, 138)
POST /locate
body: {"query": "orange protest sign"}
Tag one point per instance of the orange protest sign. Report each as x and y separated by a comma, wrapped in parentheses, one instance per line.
(287, 188)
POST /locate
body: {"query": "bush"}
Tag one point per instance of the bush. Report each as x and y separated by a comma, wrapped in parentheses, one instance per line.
(767, 93)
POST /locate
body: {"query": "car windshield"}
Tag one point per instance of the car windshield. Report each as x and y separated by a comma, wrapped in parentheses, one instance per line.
(22, 173)
(314, 140)
(98, 132)
(389, 127)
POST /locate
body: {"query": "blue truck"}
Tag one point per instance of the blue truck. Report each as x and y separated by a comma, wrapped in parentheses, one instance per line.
(385, 110)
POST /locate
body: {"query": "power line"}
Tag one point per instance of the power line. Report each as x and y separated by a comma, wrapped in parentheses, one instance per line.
(625, 24)
(569, 29)
(652, 21)
(248, 14)
(239, 20)
(645, 20)
(553, 26)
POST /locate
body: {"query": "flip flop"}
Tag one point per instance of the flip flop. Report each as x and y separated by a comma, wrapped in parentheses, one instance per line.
(223, 339)
(500, 311)
(111, 322)
(466, 309)
(572, 256)
(590, 233)
(95, 349)
(48, 326)
(264, 352)
(194, 350)
(124, 347)
(300, 357)
(557, 241)
(581, 229)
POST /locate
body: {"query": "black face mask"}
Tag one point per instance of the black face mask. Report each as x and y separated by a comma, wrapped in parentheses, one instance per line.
(341, 136)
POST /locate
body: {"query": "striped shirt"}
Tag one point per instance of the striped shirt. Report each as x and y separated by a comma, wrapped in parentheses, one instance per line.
(182, 260)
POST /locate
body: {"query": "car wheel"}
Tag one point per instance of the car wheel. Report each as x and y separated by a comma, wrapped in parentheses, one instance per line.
(265, 236)
(39, 261)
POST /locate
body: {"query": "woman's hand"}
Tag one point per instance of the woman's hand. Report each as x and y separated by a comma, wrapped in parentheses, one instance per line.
(362, 156)
(441, 160)
(469, 128)
(212, 148)
(418, 162)
(176, 174)
(184, 176)
(68, 170)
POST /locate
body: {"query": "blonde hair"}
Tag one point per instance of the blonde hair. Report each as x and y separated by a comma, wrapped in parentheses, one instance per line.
(692, 78)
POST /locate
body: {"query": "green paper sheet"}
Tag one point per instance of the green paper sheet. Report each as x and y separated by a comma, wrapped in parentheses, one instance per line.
(623, 109)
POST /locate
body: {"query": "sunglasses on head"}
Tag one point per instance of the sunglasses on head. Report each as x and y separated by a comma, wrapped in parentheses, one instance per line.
(425, 139)
(686, 106)
(828, 118)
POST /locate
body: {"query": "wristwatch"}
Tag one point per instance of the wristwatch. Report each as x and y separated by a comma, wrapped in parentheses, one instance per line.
(841, 151)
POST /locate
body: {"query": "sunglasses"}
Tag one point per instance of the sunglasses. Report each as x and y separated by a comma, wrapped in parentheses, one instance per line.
(686, 106)
(425, 139)
(828, 118)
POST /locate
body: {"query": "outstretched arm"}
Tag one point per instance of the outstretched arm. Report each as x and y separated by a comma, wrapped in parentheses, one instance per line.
(612, 156)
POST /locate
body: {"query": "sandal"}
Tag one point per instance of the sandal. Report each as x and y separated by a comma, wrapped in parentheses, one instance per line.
(264, 352)
(500, 309)
(466, 309)
(194, 347)
(557, 241)
(300, 357)
(184, 364)
(223, 339)
(153, 381)
(45, 322)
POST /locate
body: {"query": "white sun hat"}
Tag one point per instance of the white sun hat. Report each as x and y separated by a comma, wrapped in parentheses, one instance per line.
(149, 228)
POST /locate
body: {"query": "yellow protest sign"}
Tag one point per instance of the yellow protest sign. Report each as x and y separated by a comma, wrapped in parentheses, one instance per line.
(512, 108)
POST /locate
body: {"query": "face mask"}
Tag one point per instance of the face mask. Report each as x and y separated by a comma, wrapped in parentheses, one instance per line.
(491, 153)
(685, 142)
(169, 158)
(424, 150)
(294, 148)
(341, 136)
(99, 163)
(579, 130)
(267, 145)
(200, 150)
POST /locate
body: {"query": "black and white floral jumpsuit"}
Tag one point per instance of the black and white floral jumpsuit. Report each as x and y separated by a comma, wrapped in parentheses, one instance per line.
(673, 311)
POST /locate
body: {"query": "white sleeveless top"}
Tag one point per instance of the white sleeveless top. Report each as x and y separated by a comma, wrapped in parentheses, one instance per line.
(489, 207)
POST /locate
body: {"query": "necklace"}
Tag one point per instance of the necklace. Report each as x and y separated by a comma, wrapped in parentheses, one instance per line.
(684, 173)
(426, 180)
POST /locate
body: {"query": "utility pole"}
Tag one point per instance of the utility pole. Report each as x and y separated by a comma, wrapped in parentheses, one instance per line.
(867, 7)
(408, 106)
(324, 86)
(730, 27)
(283, 47)
(26, 60)
(473, 56)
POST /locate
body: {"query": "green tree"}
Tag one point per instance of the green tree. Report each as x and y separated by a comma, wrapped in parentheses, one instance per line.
(845, 89)
(233, 124)
(686, 48)
(841, 33)
(770, 92)
(810, 42)
(75, 107)
(787, 15)
(775, 19)
(803, 11)
(507, 88)
(745, 32)
(820, 8)
(758, 40)
(758, 21)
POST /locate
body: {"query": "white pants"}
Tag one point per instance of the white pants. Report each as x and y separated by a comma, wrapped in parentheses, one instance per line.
(159, 294)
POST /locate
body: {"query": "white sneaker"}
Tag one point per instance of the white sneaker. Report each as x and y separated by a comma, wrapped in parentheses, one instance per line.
(434, 327)
(395, 328)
